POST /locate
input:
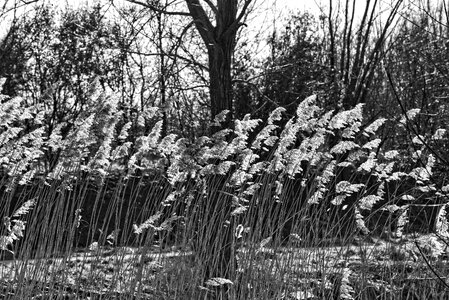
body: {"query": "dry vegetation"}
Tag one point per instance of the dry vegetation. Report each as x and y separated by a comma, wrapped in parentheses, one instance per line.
(165, 236)
(320, 173)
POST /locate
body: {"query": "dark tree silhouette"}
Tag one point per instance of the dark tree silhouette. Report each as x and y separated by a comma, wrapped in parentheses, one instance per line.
(219, 36)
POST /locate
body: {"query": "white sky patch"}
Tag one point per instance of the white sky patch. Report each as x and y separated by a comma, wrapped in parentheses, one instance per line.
(266, 15)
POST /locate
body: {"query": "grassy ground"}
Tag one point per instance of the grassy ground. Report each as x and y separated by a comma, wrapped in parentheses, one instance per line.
(366, 270)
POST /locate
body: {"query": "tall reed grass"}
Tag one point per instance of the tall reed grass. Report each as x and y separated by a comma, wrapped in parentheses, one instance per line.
(283, 209)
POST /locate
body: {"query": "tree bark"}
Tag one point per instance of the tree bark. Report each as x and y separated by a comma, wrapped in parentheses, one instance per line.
(220, 81)
(219, 40)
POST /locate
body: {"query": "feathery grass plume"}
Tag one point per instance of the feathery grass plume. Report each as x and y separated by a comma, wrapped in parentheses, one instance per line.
(167, 145)
(402, 221)
(15, 227)
(384, 170)
(141, 122)
(149, 223)
(396, 176)
(5, 242)
(409, 115)
(306, 111)
(32, 143)
(420, 174)
(287, 138)
(252, 188)
(240, 177)
(276, 115)
(323, 122)
(147, 154)
(312, 148)
(407, 198)
(373, 144)
(24, 209)
(155, 135)
(124, 132)
(439, 134)
(360, 221)
(121, 151)
(355, 156)
(431, 246)
(248, 157)
(16, 231)
(259, 167)
(441, 223)
(172, 197)
(369, 164)
(346, 290)
(178, 169)
(343, 147)
(338, 200)
(220, 118)
(293, 162)
(367, 202)
(80, 140)
(350, 131)
(10, 134)
(392, 154)
(245, 126)
(27, 177)
(218, 281)
(101, 160)
(265, 135)
(343, 189)
(242, 130)
(223, 167)
(168, 223)
(347, 117)
(322, 183)
(418, 140)
(239, 210)
(55, 141)
(372, 128)
(430, 164)
(20, 145)
(347, 187)
(10, 111)
(22, 154)
(243, 173)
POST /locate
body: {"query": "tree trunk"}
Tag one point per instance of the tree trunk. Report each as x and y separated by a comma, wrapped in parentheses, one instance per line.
(219, 39)
(220, 86)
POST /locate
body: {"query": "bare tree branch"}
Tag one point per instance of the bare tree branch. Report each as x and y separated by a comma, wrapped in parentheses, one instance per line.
(15, 6)
(171, 55)
(202, 22)
(159, 10)
(212, 7)
(237, 23)
(243, 11)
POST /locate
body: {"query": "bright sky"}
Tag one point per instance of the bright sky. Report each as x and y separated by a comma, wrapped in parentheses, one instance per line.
(296, 4)
(268, 12)
(280, 4)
